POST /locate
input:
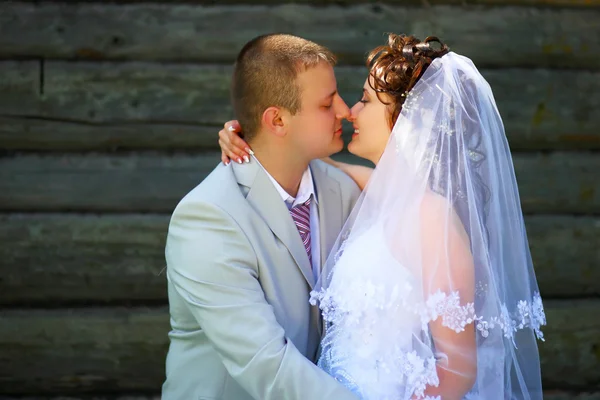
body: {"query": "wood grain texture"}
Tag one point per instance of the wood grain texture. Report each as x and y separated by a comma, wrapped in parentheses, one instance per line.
(546, 3)
(85, 350)
(558, 182)
(95, 182)
(66, 258)
(88, 105)
(566, 254)
(499, 37)
(18, 133)
(572, 345)
(563, 395)
(321, 3)
(112, 350)
(151, 182)
(20, 87)
(112, 259)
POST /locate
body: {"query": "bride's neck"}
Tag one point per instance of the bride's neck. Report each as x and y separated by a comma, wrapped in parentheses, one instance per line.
(376, 157)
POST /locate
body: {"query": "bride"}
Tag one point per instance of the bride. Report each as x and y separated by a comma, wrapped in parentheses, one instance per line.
(429, 292)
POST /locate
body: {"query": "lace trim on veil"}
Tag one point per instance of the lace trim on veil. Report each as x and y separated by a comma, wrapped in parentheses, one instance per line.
(447, 306)
(418, 372)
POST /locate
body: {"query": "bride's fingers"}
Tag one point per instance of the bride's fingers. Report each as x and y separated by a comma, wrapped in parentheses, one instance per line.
(241, 145)
(224, 158)
(231, 135)
(234, 146)
(233, 125)
(231, 151)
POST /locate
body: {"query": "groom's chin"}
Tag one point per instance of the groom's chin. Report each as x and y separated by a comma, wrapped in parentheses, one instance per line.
(336, 146)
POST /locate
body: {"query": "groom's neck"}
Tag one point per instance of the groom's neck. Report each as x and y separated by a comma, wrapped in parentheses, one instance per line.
(282, 164)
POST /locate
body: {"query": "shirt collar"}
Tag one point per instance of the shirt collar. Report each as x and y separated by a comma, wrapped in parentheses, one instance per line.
(306, 189)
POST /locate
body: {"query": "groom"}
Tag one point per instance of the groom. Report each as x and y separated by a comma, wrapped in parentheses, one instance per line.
(246, 246)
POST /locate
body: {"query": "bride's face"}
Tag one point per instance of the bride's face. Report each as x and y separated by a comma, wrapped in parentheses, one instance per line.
(370, 118)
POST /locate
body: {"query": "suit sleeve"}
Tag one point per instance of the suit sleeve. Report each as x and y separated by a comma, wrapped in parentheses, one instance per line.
(214, 268)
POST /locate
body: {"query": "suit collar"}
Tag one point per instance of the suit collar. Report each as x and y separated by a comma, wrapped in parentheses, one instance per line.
(331, 216)
(265, 199)
(305, 191)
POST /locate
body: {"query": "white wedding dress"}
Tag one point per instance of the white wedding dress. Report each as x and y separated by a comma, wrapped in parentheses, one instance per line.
(369, 347)
(432, 274)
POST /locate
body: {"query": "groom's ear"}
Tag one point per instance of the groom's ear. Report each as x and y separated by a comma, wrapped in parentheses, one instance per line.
(274, 120)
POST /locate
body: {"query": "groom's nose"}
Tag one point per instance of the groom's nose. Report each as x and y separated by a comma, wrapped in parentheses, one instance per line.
(341, 111)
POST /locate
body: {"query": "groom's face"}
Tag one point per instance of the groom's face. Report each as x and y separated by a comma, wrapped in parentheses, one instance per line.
(317, 128)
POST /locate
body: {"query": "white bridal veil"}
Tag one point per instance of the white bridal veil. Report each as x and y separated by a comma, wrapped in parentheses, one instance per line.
(431, 278)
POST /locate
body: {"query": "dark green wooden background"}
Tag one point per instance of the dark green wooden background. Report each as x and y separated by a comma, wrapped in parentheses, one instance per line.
(109, 113)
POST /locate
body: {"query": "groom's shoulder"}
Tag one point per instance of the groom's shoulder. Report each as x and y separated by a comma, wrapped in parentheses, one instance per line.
(219, 188)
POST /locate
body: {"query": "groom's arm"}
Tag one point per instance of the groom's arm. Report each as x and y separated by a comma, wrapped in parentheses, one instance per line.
(213, 267)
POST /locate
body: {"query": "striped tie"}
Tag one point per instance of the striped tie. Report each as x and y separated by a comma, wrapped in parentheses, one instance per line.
(301, 216)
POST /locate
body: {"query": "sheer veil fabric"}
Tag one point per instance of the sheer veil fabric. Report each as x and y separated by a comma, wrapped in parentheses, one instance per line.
(432, 274)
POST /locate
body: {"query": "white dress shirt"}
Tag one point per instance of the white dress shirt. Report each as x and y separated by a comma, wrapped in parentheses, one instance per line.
(306, 189)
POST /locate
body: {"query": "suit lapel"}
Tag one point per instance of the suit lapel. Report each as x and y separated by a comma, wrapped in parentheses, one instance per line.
(331, 219)
(265, 199)
(330, 210)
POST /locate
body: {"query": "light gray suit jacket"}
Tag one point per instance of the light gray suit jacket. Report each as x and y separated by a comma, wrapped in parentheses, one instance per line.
(239, 282)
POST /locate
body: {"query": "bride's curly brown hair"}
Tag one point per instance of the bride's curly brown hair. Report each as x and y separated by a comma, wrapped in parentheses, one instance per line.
(395, 68)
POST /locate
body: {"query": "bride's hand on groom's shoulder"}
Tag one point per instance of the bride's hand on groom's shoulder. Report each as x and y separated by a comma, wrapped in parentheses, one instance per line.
(233, 147)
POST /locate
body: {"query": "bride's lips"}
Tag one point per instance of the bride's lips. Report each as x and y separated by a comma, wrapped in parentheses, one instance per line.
(355, 134)
(338, 132)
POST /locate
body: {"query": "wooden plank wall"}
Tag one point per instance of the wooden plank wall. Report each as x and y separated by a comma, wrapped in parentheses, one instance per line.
(109, 114)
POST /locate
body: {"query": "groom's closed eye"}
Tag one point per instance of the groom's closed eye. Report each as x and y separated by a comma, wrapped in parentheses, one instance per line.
(329, 100)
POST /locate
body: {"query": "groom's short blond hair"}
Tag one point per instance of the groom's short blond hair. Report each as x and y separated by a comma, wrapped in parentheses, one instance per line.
(265, 76)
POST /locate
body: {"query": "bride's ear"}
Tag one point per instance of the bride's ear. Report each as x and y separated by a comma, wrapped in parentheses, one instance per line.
(274, 119)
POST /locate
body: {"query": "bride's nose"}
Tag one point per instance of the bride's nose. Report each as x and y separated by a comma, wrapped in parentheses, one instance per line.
(354, 112)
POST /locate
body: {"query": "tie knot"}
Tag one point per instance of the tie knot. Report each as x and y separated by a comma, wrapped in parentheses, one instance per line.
(306, 203)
